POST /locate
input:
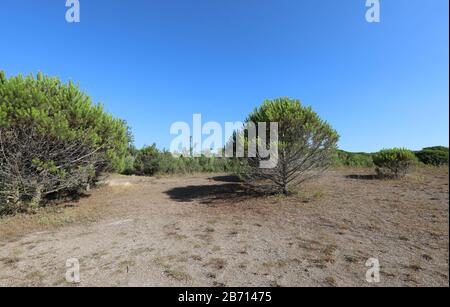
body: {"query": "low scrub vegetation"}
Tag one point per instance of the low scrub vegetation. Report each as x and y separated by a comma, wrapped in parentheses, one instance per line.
(436, 156)
(150, 161)
(394, 163)
(350, 159)
(433, 156)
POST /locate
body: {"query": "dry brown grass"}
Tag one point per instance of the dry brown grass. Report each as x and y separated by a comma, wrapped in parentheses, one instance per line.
(177, 274)
(46, 219)
(89, 209)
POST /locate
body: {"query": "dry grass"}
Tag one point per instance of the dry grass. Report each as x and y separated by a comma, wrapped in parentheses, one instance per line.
(276, 263)
(217, 263)
(46, 219)
(89, 209)
(177, 274)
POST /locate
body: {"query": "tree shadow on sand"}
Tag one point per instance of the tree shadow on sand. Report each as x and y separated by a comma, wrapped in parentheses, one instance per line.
(66, 200)
(231, 191)
(362, 177)
(227, 178)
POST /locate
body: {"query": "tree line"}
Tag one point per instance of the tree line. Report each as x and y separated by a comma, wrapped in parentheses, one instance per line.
(56, 142)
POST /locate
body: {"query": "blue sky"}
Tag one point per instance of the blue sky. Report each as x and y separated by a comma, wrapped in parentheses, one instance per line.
(157, 62)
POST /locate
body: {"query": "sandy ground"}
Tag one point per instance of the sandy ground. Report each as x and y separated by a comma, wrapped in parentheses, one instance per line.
(208, 231)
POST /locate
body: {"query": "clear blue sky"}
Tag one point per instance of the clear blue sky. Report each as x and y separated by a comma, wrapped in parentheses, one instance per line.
(157, 62)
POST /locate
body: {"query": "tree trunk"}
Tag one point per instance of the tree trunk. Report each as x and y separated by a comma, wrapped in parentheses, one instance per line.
(285, 189)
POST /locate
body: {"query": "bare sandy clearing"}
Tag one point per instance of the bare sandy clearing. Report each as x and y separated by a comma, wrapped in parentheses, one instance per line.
(205, 231)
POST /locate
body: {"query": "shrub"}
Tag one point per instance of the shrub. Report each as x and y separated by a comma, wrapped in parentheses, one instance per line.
(436, 156)
(394, 163)
(350, 159)
(149, 161)
(145, 163)
(53, 139)
(306, 143)
(129, 165)
(28, 173)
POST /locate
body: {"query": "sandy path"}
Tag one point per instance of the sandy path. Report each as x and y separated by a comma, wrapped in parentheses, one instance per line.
(196, 231)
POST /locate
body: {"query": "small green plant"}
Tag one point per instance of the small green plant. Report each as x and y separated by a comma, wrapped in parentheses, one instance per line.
(394, 163)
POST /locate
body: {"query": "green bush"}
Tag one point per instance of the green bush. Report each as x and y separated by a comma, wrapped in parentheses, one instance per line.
(436, 156)
(53, 140)
(343, 158)
(394, 163)
(306, 143)
(145, 163)
(129, 165)
(150, 161)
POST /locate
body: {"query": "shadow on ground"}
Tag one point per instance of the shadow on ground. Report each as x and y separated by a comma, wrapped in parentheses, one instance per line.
(231, 191)
(66, 199)
(362, 177)
(227, 178)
